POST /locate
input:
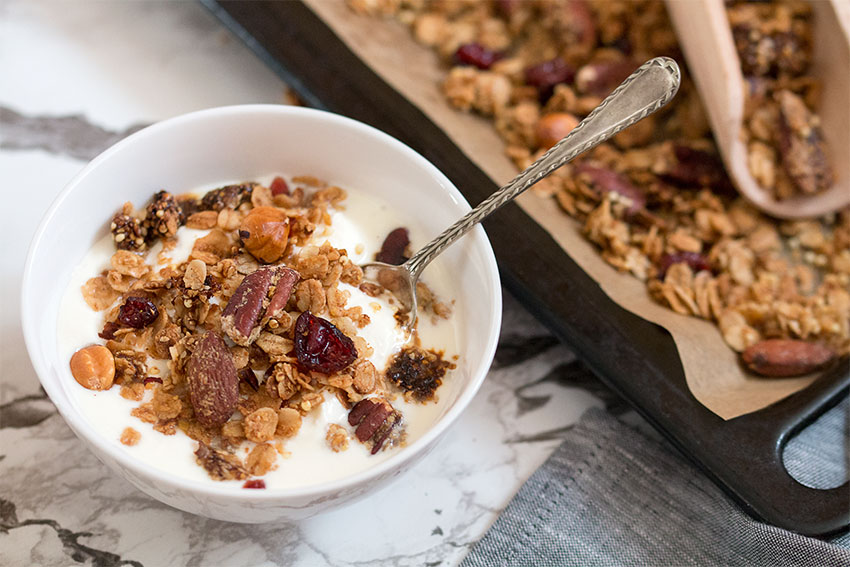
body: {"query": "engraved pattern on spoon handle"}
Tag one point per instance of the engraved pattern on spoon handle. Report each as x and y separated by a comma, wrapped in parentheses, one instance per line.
(646, 90)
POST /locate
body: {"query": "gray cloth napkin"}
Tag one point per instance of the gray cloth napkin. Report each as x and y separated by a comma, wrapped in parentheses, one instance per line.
(610, 495)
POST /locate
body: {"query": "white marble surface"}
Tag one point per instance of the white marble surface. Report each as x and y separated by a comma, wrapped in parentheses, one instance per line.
(75, 77)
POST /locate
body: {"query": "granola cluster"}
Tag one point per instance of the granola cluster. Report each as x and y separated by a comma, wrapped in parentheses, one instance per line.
(237, 344)
(656, 200)
(786, 149)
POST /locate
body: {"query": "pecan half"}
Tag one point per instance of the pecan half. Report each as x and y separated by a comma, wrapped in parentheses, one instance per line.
(213, 382)
(801, 145)
(250, 307)
(377, 423)
(786, 357)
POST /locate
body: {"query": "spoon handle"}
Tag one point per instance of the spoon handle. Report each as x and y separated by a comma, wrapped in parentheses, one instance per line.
(646, 90)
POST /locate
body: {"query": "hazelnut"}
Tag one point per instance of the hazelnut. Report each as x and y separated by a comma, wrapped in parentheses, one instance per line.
(553, 127)
(93, 367)
(264, 233)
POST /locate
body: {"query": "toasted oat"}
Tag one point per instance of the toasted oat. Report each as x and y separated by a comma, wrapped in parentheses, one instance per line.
(337, 438)
(260, 425)
(261, 459)
(288, 423)
(98, 294)
(130, 436)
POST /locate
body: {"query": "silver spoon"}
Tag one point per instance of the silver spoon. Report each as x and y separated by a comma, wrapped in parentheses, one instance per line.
(646, 90)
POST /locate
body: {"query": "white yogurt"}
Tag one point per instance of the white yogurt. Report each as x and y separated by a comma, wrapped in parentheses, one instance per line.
(360, 228)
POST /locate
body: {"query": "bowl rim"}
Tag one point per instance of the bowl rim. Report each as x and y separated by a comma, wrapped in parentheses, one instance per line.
(227, 491)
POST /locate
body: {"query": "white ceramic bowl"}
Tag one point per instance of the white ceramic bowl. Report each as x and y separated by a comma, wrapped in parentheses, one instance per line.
(240, 143)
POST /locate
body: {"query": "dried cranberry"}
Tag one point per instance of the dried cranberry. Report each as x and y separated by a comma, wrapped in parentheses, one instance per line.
(392, 250)
(695, 260)
(320, 346)
(138, 312)
(695, 167)
(254, 483)
(247, 375)
(153, 380)
(476, 54)
(544, 76)
(279, 186)
(108, 332)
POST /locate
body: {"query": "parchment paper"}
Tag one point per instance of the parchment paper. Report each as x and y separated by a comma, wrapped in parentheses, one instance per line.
(711, 367)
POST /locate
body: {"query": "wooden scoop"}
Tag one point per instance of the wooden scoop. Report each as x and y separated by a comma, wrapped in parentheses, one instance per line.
(706, 39)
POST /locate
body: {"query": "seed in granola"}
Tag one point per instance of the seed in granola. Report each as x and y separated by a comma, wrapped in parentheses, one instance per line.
(128, 232)
(254, 483)
(544, 76)
(393, 248)
(152, 380)
(93, 367)
(163, 217)
(138, 312)
(279, 187)
(552, 128)
(476, 54)
(321, 346)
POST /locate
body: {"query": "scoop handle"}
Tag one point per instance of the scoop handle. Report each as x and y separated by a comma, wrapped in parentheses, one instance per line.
(646, 90)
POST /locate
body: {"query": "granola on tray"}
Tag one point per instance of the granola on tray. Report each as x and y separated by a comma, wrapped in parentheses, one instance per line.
(656, 200)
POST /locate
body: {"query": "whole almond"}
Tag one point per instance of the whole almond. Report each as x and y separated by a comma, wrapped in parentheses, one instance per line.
(213, 383)
(786, 357)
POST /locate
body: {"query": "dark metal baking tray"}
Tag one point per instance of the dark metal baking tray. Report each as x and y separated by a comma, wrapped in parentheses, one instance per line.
(634, 357)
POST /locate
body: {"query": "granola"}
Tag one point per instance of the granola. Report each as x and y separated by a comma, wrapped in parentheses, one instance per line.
(656, 200)
(237, 345)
